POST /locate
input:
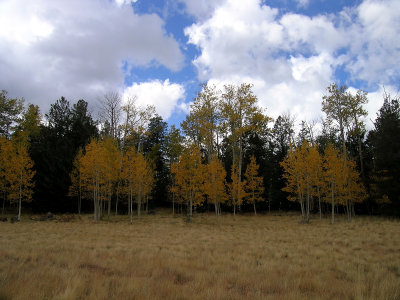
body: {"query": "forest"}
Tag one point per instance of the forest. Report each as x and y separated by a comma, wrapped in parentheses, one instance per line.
(227, 156)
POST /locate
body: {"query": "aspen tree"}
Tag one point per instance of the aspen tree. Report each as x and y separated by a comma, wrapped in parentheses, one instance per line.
(336, 107)
(294, 166)
(357, 126)
(189, 173)
(110, 112)
(6, 150)
(236, 189)
(110, 172)
(239, 115)
(143, 180)
(92, 167)
(303, 172)
(351, 190)
(20, 175)
(128, 177)
(215, 184)
(333, 170)
(316, 173)
(202, 123)
(254, 183)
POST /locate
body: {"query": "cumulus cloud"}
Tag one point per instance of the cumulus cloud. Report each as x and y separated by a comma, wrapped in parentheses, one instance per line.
(374, 53)
(200, 9)
(165, 96)
(77, 48)
(292, 58)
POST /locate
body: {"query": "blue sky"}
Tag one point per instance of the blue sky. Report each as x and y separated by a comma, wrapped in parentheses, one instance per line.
(160, 51)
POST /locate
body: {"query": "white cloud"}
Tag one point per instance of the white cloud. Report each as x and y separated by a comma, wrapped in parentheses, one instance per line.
(303, 3)
(201, 9)
(374, 51)
(77, 48)
(22, 27)
(165, 96)
(292, 58)
(124, 2)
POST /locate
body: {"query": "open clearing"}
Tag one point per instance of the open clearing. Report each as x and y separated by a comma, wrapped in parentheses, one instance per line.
(253, 257)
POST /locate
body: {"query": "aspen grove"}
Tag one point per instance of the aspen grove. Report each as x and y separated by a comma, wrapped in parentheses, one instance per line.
(227, 156)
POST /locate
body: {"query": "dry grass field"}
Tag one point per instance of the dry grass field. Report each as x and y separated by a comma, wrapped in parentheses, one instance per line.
(262, 257)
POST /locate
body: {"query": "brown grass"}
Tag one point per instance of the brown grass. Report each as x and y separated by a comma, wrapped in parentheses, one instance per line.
(262, 257)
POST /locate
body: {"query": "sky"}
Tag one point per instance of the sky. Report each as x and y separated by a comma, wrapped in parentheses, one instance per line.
(161, 51)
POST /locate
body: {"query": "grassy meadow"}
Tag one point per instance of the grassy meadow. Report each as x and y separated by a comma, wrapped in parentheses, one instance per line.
(161, 256)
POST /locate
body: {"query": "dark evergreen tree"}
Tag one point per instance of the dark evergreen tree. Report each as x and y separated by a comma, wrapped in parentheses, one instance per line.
(53, 151)
(385, 142)
(282, 138)
(82, 125)
(153, 146)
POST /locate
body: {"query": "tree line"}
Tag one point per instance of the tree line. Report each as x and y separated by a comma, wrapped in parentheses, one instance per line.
(227, 155)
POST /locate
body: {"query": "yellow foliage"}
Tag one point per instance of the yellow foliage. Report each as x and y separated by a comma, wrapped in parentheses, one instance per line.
(138, 177)
(16, 174)
(254, 183)
(215, 184)
(189, 176)
(236, 189)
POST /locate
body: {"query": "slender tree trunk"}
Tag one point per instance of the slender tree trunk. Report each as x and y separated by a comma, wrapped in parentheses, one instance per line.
(139, 203)
(333, 204)
(233, 165)
(319, 203)
(80, 195)
(131, 205)
(308, 203)
(4, 203)
(98, 202)
(302, 207)
(116, 200)
(94, 200)
(240, 167)
(103, 206)
(120, 170)
(191, 207)
(254, 204)
(173, 203)
(109, 208)
(20, 201)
